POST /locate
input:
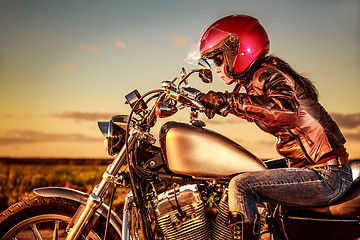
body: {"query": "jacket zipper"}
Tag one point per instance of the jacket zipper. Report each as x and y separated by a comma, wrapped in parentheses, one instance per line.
(302, 147)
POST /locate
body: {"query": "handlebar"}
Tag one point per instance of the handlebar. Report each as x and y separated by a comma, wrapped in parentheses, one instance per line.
(185, 95)
(189, 97)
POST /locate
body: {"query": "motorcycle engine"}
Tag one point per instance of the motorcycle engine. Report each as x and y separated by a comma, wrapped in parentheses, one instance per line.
(181, 215)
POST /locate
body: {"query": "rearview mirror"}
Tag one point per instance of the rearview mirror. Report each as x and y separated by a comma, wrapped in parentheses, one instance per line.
(204, 70)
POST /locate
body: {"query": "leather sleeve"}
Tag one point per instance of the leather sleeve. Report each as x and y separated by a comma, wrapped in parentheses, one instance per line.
(270, 98)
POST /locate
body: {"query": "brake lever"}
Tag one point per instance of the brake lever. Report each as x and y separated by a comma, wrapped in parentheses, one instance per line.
(193, 103)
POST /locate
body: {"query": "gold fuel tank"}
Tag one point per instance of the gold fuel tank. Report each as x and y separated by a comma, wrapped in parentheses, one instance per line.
(204, 154)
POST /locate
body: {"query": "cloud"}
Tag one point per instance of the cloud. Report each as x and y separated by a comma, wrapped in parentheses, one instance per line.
(350, 137)
(69, 66)
(180, 40)
(80, 46)
(121, 44)
(93, 49)
(155, 46)
(84, 116)
(20, 136)
(347, 120)
(7, 116)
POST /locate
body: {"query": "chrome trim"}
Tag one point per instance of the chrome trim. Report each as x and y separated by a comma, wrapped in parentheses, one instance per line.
(126, 216)
(355, 168)
(324, 219)
(92, 204)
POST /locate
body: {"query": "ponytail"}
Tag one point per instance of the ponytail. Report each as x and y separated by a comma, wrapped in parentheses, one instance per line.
(303, 82)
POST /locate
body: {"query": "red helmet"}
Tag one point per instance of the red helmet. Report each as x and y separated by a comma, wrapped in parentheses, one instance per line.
(240, 38)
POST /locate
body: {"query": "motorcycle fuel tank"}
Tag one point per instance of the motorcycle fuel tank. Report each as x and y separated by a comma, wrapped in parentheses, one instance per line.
(204, 154)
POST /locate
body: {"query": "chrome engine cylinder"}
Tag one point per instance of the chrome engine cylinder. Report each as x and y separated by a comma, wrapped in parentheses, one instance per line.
(181, 215)
(221, 230)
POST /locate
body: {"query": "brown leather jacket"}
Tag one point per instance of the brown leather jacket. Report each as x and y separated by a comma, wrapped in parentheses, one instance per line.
(305, 132)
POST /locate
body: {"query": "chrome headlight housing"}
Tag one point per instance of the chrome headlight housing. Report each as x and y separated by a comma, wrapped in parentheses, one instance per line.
(114, 133)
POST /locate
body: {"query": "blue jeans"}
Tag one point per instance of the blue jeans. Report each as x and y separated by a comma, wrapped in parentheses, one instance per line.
(288, 186)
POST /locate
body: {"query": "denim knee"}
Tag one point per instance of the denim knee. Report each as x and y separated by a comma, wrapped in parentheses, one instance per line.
(240, 183)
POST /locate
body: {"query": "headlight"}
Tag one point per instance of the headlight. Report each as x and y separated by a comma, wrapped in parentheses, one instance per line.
(114, 133)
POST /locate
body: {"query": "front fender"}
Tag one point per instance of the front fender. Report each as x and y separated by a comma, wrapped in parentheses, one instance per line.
(80, 197)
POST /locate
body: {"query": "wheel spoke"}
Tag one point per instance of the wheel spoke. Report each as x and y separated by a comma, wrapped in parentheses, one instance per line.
(45, 226)
(36, 232)
(56, 230)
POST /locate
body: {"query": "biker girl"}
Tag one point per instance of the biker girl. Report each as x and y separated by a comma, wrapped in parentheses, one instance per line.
(280, 102)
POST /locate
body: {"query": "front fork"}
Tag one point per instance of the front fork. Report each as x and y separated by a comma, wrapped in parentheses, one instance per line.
(129, 201)
(83, 218)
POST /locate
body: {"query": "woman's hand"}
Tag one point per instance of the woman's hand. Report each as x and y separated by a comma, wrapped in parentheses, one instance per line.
(213, 101)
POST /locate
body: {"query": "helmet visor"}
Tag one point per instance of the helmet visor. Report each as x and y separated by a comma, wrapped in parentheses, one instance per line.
(209, 39)
(193, 54)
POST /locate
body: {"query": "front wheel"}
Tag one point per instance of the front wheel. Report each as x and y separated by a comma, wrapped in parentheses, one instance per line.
(45, 218)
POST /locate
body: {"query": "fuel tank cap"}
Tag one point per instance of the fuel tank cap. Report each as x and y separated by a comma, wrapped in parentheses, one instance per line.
(197, 123)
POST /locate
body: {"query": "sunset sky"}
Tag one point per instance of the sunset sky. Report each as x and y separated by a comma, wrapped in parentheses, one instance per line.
(64, 65)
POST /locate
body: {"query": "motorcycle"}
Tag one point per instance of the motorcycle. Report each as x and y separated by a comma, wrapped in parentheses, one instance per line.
(179, 189)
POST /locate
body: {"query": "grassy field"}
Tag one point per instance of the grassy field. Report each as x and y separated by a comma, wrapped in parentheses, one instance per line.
(18, 177)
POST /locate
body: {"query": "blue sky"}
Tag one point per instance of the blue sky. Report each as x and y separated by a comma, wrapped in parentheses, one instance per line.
(63, 60)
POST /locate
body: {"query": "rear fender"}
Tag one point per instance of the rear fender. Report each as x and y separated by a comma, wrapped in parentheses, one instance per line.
(80, 197)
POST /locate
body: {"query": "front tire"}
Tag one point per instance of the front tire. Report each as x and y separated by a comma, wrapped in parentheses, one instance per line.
(45, 218)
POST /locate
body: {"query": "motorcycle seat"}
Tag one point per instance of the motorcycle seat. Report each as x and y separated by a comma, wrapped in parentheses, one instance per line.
(355, 168)
(349, 204)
